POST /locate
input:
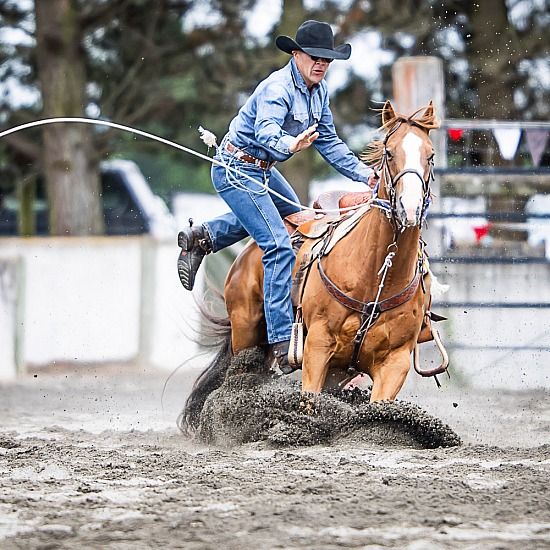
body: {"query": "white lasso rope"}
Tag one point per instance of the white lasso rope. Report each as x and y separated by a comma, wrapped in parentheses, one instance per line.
(208, 137)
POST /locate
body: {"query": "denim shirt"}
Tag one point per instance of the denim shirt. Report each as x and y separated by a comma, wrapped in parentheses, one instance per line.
(280, 108)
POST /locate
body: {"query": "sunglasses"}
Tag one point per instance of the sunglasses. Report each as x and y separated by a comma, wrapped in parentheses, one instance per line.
(315, 58)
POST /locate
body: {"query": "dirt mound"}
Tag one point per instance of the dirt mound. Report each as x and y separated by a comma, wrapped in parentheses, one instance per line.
(254, 406)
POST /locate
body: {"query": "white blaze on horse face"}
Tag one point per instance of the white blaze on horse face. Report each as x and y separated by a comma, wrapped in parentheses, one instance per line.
(412, 190)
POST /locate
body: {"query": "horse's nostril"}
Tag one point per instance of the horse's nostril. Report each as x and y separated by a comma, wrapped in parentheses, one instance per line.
(409, 218)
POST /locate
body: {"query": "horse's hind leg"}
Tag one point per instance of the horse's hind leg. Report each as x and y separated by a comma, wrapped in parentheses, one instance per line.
(243, 295)
(388, 377)
(247, 326)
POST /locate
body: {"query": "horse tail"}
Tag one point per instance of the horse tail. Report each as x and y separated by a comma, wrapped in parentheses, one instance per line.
(218, 332)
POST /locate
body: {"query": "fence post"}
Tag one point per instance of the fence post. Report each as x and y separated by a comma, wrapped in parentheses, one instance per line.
(11, 314)
(416, 81)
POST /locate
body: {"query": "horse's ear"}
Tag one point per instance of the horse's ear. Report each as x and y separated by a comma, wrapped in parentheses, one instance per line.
(432, 120)
(430, 110)
(387, 112)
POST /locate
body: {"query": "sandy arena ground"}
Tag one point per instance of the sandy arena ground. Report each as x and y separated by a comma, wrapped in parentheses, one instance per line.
(91, 458)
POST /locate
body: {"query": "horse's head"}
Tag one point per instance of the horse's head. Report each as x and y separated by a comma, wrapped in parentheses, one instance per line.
(405, 157)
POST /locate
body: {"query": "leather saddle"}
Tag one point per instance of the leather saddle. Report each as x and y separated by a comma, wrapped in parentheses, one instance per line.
(313, 225)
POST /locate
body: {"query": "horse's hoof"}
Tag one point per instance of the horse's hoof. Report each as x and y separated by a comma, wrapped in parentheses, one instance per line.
(308, 404)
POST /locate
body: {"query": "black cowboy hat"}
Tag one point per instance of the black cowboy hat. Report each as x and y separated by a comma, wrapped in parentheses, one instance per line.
(314, 38)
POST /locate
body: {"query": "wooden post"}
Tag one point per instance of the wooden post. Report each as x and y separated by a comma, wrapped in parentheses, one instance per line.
(416, 81)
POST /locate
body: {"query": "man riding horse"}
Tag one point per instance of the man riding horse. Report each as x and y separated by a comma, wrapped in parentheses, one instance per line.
(287, 113)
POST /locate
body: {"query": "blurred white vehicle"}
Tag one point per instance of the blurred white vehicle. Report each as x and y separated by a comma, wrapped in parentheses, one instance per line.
(129, 205)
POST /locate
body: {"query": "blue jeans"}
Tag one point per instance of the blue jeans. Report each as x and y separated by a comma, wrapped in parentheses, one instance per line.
(258, 213)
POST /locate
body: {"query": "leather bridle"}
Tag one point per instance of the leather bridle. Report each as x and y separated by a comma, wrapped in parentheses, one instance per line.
(391, 182)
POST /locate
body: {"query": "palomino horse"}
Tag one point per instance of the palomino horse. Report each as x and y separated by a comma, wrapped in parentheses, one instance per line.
(362, 295)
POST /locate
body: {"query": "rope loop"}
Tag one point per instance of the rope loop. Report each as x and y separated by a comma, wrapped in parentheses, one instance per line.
(206, 136)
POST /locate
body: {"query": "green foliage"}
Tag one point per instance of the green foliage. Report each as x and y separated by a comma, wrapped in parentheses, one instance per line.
(148, 67)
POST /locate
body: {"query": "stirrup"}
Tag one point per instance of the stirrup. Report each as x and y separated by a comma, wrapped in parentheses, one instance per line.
(296, 349)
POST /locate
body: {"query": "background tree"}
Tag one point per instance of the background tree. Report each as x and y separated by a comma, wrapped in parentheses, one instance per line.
(488, 47)
(168, 66)
(68, 159)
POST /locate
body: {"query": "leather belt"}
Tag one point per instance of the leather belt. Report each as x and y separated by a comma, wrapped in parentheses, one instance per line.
(245, 157)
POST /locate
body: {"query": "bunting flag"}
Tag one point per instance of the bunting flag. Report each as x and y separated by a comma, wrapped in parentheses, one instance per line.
(536, 142)
(455, 133)
(508, 141)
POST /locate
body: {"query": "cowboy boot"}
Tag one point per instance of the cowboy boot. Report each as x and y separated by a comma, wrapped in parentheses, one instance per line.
(195, 244)
(280, 353)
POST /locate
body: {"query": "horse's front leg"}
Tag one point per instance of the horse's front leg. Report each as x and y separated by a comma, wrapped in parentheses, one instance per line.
(389, 376)
(318, 350)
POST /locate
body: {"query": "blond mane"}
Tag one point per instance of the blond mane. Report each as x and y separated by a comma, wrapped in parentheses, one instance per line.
(372, 156)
